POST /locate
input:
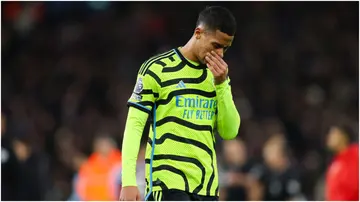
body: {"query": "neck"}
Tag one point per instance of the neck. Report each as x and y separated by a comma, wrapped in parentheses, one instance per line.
(341, 147)
(187, 50)
(283, 165)
(239, 163)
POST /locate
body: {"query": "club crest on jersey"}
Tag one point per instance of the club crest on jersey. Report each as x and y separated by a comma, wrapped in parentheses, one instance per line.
(139, 86)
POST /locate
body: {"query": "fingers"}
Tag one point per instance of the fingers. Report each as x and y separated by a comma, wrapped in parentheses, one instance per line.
(219, 61)
(216, 64)
(212, 66)
(213, 61)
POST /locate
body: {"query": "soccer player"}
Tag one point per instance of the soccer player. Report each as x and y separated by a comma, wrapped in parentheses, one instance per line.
(185, 94)
(342, 177)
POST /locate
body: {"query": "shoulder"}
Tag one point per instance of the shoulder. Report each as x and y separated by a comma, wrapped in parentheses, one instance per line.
(155, 63)
(335, 169)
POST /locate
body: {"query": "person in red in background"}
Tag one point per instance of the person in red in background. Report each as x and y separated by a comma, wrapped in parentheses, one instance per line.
(342, 177)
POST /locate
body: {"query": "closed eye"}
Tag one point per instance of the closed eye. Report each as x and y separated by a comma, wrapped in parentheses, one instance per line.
(218, 46)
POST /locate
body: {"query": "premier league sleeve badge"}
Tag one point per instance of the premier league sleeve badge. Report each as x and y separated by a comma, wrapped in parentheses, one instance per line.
(139, 86)
(137, 90)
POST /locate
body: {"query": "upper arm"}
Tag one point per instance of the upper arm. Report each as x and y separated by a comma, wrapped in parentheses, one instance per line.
(348, 184)
(146, 90)
(338, 181)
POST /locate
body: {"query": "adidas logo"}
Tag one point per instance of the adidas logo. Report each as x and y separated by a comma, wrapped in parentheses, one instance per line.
(181, 84)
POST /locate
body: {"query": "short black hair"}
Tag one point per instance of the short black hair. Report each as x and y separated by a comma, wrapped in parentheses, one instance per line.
(347, 130)
(218, 18)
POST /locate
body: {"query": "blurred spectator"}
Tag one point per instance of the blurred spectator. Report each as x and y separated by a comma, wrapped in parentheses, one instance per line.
(236, 167)
(278, 179)
(98, 177)
(33, 172)
(342, 178)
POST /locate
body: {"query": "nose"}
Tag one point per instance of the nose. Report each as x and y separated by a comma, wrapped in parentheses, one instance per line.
(220, 52)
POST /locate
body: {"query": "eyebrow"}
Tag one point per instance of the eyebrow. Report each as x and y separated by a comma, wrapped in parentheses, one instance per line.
(220, 45)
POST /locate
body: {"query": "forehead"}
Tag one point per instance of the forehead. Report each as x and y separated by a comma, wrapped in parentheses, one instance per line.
(221, 38)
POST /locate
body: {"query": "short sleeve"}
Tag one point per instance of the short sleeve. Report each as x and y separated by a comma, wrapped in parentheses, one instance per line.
(145, 93)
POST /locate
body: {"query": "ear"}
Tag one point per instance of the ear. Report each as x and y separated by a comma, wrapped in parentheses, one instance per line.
(198, 31)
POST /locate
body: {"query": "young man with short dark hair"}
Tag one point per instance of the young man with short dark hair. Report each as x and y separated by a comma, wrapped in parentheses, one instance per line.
(185, 93)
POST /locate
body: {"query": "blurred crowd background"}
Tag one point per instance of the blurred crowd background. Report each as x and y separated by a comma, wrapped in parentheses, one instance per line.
(68, 68)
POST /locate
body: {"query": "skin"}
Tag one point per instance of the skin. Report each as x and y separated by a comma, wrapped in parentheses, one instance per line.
(336, 140)
(274, 155)
(206, 47)
(103, 146)
(235, 152)
(22, 150)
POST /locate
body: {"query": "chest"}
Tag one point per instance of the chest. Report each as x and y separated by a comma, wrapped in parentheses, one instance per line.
(188, 94)
(190, 79)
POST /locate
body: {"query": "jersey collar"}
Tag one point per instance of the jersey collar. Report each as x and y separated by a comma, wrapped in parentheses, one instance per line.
(200, 66)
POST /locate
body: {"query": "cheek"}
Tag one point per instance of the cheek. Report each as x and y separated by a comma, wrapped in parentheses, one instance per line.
(208, 48)
(202, 55)
(204, 46)
(204, 51)
(332, 140)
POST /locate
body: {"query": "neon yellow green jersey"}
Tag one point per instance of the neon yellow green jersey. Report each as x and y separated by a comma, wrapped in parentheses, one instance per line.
(185, 108)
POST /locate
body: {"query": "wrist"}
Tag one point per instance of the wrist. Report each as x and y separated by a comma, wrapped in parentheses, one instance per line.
(217, 82)
(223, 83)
(220, 81)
